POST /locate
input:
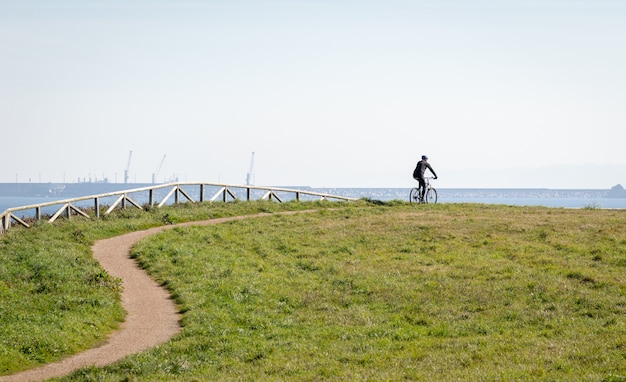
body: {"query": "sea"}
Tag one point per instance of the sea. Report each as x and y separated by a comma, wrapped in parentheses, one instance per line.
(558, 198)
(566, 198)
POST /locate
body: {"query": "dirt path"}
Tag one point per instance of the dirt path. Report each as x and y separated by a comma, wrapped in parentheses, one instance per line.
(152, 317)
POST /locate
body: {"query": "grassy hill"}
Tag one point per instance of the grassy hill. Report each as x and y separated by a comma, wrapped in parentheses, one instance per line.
(355, 291)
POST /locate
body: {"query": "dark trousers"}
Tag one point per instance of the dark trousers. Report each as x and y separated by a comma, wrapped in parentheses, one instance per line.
(422, 186)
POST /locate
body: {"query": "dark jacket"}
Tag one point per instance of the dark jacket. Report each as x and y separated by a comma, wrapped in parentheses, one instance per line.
(421, 168)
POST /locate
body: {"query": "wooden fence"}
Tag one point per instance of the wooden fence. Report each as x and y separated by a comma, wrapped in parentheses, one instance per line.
(121, 199)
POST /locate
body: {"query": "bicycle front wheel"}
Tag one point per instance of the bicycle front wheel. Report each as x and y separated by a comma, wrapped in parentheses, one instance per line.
(414, 196)
(431, 196)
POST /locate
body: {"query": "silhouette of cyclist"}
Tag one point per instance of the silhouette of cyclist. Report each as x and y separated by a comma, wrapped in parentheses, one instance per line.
(418, 174)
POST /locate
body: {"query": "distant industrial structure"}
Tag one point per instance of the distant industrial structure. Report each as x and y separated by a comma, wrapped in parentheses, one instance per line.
(158, 169)
(127, 178)
(130, 155)
(250, 175)
(155, 174)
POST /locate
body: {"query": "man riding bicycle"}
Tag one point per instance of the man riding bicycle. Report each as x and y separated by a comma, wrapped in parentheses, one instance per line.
(418, 174)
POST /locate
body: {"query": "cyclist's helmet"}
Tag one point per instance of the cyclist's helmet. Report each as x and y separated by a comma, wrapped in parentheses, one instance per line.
(424, 157)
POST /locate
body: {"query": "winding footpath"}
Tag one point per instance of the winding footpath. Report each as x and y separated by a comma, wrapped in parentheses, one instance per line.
(152, 318)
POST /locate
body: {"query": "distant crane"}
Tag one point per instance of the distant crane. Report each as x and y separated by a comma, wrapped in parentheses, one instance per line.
(250, 176)
(156, 172)
(130, 155)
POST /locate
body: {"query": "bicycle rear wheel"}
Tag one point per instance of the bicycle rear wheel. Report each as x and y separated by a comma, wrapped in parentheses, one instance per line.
(414, 196)
(431, 196)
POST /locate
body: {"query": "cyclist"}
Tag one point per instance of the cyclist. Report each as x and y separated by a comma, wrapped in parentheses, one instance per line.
(418, 174)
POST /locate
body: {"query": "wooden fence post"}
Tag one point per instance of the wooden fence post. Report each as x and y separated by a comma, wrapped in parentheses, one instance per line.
(96, 207)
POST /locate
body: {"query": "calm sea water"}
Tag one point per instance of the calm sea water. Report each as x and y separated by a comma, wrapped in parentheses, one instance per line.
(516, 197)
(562, 199)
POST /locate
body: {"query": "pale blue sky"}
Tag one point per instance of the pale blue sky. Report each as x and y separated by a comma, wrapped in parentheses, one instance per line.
(507, 93)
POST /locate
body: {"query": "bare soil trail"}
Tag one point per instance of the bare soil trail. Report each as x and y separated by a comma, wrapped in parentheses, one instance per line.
(152, 318)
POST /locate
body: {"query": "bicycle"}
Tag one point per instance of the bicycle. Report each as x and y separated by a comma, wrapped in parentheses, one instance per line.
(431, 193)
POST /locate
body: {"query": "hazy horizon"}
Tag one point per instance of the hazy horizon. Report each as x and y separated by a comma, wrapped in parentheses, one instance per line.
(344, 93)
(594, 181)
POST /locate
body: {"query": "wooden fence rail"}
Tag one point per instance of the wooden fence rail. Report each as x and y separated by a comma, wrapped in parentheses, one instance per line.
(225, 192)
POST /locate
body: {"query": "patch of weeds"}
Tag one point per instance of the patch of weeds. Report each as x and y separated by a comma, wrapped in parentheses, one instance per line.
(104, 280)
(308, 266)
(592, 206)
(167, 219)
(597, 255)
(614, 378)
(580, 277)
(79, 236)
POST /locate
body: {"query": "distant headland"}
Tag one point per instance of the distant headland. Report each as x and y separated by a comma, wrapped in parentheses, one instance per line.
(616, 191)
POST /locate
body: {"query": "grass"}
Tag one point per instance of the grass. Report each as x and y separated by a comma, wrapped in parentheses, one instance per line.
(50, 288)
(55, 299)
(371, 291)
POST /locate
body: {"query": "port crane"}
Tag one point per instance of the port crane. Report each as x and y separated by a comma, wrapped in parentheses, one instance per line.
(130, 155)
(250, 175)
(156, 172)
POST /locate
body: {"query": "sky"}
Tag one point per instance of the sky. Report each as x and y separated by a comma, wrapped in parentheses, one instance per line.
(325, 93)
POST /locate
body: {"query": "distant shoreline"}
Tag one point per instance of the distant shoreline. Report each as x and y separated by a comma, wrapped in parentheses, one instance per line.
(88, 188)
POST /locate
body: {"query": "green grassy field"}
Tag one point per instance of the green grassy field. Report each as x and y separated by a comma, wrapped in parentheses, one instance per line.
(359, 291)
